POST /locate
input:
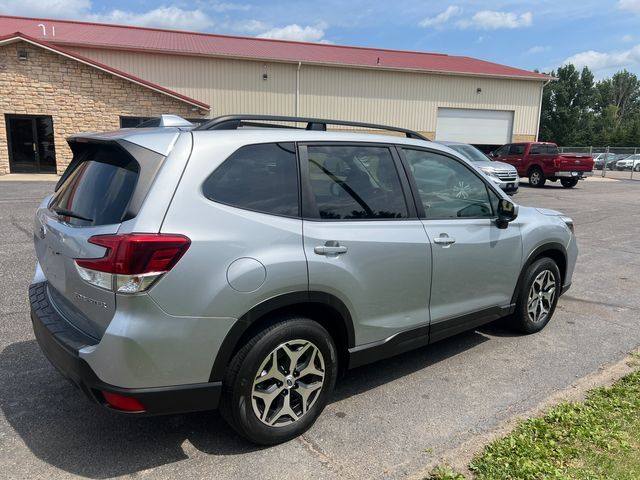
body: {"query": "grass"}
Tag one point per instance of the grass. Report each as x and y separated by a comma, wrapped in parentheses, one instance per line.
(595, 439)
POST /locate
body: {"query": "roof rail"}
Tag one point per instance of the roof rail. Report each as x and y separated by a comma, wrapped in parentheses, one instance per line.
(233, 122)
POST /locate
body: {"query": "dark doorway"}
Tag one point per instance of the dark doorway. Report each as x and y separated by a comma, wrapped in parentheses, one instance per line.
(31, 145)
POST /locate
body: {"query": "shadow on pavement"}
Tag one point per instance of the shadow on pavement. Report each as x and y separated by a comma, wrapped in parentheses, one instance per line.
(61, 427)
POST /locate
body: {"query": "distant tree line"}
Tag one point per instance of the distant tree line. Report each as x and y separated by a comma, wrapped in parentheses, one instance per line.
(576, 110)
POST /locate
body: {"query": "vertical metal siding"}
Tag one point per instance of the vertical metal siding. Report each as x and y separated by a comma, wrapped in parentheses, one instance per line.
(406, 99)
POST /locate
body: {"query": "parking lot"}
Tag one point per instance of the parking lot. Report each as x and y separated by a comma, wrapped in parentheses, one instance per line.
(387, 420)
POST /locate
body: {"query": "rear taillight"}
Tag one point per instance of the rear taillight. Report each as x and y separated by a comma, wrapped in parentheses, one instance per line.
(132, 262)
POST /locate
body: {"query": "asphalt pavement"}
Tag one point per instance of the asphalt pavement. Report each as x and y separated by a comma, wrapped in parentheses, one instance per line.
(386, 420)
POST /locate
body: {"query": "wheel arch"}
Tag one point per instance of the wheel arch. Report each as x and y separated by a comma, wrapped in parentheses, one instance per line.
(324, 308)
(534, 166)
(556, 251)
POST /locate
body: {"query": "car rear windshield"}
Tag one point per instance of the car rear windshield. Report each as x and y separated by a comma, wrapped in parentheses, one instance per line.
(100, 187)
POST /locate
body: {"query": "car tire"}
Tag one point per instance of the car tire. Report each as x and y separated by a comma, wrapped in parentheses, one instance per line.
(536, 178)
(538, 296)
(569, 182)
(249, 404)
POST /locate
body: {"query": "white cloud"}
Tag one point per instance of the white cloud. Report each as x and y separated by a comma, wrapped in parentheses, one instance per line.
(45, 8)
(537, 49)
(441, 18)
(492, 20)
(603, 61)
(247, 26)
(627, 38)
(229, 7)
(629, 5)
(161, 17)
(294, 31)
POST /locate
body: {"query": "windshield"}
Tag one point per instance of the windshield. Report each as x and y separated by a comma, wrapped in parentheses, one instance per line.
(470, 152)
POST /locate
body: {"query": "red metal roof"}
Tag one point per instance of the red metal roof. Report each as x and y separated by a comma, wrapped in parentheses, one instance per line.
(16, 36)
(189, 43)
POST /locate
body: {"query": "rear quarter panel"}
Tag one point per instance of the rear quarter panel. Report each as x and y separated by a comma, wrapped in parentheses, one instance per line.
(262, 255)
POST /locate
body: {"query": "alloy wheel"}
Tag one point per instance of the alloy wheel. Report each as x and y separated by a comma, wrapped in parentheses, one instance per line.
(535, 178)
(288, 383)
(541, 296)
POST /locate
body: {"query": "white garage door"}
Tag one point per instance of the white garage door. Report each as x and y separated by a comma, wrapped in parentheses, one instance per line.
(489, 127)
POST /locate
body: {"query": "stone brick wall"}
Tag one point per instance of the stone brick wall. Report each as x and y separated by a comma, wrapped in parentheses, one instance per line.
(79, 97)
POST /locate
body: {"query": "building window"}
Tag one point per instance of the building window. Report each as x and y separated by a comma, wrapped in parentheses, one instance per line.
(133, 122)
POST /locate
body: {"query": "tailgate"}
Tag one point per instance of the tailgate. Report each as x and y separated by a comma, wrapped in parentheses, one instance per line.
(574, 163)
(93, 198)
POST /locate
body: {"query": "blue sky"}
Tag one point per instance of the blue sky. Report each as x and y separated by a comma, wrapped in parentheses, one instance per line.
(605, 34)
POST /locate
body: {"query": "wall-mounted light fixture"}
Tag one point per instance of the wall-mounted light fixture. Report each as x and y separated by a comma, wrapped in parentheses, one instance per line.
(265, 75)
(478, 90)
(23, 55)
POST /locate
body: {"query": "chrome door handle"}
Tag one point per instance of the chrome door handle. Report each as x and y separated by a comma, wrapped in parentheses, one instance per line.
(330, 248)
(444, 240)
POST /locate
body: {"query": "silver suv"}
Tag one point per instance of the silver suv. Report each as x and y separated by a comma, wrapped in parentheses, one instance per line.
(244, 268)
(502, 174)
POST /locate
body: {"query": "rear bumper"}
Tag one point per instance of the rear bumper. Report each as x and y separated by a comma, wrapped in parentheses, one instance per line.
(61, 343)
(573, 174)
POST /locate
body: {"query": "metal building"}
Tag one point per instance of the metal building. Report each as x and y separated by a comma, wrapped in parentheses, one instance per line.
(444, 97)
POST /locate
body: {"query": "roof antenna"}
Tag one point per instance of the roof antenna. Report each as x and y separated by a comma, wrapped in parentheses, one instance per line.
(44, 29)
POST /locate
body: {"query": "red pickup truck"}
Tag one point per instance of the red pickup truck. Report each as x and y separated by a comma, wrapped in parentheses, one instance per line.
(541, 161)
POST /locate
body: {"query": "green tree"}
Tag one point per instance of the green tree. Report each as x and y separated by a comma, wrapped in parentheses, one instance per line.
(567, 107)
(577, 111)
(623, 91)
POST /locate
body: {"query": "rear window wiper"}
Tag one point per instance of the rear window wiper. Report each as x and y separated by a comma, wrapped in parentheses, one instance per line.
(68, 213)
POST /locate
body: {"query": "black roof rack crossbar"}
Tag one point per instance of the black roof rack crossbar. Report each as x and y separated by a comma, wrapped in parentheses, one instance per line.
(233, 122)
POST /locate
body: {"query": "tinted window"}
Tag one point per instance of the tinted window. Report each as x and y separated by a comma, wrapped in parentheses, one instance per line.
(502, 151)
(551, 150)
(447, 188)
(99, 188)
(470, 152)
(537, 150)
(262, 177)
(355, 182)
(516, 150)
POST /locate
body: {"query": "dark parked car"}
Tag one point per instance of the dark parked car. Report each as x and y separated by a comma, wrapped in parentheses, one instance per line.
(600, 159)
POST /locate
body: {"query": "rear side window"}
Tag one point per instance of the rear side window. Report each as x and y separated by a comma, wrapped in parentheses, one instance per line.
(355, 182)
(552, 150)
(99, 189)
(261, 177)
(537, 150)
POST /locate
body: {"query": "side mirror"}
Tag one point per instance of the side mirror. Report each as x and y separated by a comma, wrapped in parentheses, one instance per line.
(492, 154)
(507, 212)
